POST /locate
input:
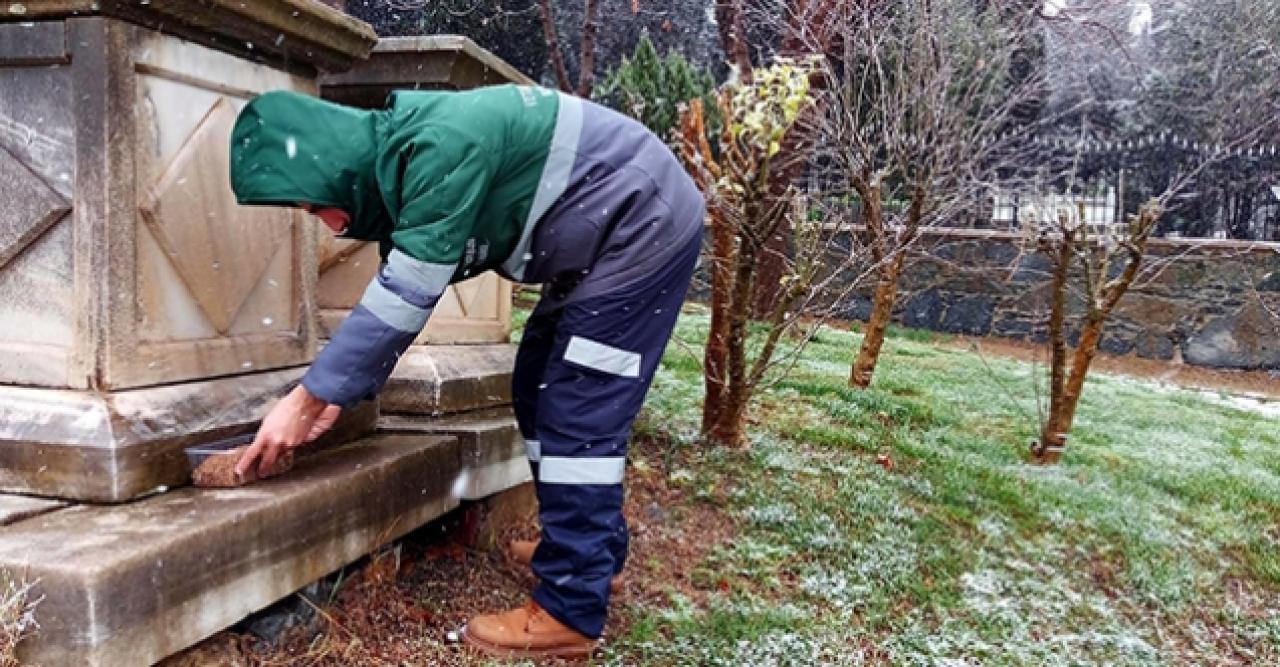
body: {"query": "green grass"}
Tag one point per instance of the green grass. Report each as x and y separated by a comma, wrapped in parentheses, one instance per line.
(1155, 541)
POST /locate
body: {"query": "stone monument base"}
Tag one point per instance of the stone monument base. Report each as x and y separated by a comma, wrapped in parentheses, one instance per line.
(114, 446)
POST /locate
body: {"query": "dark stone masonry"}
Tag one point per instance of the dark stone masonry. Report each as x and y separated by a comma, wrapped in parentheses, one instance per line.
(1215, 303)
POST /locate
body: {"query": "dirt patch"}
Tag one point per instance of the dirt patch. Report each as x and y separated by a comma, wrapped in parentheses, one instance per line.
(400, 606)
(1260, 383)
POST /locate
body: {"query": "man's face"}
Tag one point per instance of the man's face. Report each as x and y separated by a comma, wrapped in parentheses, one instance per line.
(335, 219)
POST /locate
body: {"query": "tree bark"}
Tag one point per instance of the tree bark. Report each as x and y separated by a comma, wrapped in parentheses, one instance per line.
(696, 151)
(732, 39)
(729, 427)
(587, 61)
(553, 46)
(1053, 437)
(716, 356)
(738, 313)
(881, 312)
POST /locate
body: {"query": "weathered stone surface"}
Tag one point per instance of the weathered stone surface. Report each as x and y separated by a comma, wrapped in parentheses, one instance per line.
(296, 33)
(127, 585)
(1210, 299)
(493, 453)
(969, 315)
(1153, 311)
(1154, 346)
(1270, 282)
(438, 379)
(503, 513)
(1249, 339)
(217, 263)
(31, 43)
(1113, 344)
(15, 508)
(923, 310)
(127, 290)
(24, 217)
(428, 62)
(110, 447)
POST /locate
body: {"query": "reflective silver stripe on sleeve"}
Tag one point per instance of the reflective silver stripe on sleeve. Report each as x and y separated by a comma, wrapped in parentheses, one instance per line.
(555, 178)
(582, 470)
(534, 449)
(392, 310)
(426, 276)
(602, 357)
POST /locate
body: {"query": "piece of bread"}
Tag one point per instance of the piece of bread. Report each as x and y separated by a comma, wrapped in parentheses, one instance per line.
(219, 470)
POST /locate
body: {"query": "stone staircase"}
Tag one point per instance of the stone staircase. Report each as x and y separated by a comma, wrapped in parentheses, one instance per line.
(132, 583)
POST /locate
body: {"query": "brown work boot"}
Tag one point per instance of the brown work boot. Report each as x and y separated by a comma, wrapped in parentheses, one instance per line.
(526, 632)
(522, 552)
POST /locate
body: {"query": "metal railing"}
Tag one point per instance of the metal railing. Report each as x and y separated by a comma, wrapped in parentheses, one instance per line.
(1232, 194)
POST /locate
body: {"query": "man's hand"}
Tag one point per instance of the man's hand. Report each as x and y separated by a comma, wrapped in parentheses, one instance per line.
(324, 422)
(299, 417)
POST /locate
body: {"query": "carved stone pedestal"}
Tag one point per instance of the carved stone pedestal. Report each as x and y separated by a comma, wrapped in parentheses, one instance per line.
(124, 261)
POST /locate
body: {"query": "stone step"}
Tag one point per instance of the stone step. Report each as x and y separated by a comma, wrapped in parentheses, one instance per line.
(440, 379)
(130, 584)
(116, 446)
(15, 507)
(493, 451)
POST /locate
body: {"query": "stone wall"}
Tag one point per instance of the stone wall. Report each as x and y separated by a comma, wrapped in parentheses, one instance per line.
(1216, 303)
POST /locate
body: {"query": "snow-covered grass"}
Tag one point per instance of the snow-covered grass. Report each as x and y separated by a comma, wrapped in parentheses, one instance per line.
(901, 525)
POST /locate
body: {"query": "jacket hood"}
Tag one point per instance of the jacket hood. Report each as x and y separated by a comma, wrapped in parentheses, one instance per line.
(288, 148)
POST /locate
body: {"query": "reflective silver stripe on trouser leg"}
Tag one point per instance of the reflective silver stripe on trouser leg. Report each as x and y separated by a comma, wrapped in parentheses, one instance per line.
(534, 450)
(582, 469)
(601, 357)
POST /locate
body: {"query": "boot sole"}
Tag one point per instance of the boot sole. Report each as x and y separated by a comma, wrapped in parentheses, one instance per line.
(574, 653)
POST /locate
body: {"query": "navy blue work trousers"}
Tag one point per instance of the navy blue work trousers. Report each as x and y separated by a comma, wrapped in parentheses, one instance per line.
(581, 375)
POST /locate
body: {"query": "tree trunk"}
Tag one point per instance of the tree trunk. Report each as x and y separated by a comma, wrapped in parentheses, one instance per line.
(732, 38)
(729, 427)
(587, 56)
(1053, 437)
(770, 272)
(553, 46)
(1062, 412)
(716, 356)
(739, 314)
(881, 312)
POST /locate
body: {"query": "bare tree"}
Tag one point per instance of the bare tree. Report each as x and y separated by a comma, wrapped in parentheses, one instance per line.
(1098, 263)
(746, 208)
(924, 110)
(1107, 262)
(761, 270)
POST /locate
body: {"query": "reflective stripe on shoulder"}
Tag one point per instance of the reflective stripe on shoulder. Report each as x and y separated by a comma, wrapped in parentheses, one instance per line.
(601, 357)
(555, 178)
(582, 469)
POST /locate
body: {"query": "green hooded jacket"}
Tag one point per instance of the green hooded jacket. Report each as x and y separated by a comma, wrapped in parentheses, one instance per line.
(423, 176)
(445, 182)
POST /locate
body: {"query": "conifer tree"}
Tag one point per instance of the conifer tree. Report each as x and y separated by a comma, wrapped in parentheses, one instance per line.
(652, 89)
